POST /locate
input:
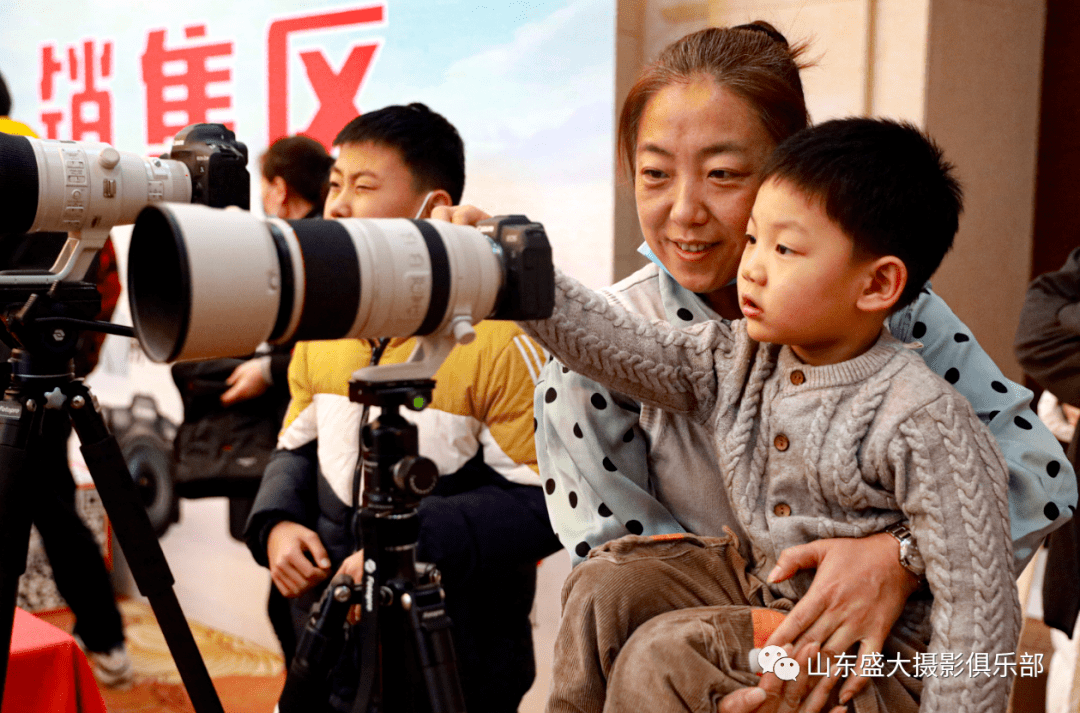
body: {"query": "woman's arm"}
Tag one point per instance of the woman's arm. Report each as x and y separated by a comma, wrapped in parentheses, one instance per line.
(1042, 486)
(593, 463)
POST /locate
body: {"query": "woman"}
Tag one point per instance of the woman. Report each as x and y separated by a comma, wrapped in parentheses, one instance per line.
(694, 133)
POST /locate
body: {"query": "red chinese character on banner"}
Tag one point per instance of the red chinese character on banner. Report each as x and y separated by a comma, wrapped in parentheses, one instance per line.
(189, 103)
(335, 90)
(91, 108)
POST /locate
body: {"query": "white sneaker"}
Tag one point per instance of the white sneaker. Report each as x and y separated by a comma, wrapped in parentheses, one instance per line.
(113, 668)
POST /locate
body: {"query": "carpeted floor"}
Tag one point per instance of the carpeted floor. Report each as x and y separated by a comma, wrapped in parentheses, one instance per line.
(248, 677)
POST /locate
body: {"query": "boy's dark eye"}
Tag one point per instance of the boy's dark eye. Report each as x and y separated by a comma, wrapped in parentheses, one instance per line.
(750, 239)
(783, 249)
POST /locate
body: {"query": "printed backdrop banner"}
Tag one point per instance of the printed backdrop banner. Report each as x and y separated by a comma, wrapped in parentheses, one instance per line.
(529, 85)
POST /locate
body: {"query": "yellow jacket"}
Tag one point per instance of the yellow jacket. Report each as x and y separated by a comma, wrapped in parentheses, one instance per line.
(10, 126)
(483, 397)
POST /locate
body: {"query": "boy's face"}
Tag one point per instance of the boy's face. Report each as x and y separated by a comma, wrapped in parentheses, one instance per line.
(371, 180)
(798, 281)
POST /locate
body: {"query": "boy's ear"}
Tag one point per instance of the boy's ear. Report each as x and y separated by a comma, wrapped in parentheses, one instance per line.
(438, 197)
(886, 278)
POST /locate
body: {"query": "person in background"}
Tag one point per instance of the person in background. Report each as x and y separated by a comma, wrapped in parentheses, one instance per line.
(78, 568)
(295, 178)
(1048, 348)
(485, 525)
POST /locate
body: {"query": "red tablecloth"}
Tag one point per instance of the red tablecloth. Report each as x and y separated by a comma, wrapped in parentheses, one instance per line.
(47, 672)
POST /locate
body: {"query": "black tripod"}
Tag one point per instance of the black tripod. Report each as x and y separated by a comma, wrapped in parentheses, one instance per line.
(406, 651)
(43, 328)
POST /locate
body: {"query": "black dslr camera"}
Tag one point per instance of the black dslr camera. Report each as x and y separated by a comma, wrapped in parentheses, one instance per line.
(218, 165)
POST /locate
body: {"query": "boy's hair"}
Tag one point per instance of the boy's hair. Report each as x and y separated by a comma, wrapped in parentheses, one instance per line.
(5, 98)
(305, 166)
(429, 144)
(884, 183)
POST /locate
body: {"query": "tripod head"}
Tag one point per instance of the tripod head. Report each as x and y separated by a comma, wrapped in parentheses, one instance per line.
(397, 477)
(42, 323)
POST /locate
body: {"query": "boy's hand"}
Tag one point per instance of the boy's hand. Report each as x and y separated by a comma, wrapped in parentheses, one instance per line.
(858, 593)
(246, 382)
(287, 548)
(353, 565)
(775, 696)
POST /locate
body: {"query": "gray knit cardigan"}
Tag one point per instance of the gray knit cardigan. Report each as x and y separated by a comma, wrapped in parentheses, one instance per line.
(842, 450)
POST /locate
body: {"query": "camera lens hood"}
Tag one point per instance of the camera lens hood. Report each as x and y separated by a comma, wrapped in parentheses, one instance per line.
(18, 183)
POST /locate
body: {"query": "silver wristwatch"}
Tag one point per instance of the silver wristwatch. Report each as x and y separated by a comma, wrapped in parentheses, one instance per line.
(909, 550)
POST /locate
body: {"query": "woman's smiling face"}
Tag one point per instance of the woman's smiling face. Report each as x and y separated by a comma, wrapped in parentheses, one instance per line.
(697, 167)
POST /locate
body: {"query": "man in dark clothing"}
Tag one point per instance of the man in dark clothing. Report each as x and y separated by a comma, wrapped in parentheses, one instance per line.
(1048, 347)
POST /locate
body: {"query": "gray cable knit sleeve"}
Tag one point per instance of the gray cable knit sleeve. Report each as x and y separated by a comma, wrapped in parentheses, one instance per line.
(649, 361)
(952, 483)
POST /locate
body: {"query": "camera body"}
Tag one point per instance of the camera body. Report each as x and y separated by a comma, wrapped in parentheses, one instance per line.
(217, 165)
(528, 283)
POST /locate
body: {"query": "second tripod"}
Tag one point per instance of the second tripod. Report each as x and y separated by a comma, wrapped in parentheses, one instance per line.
(405, 648)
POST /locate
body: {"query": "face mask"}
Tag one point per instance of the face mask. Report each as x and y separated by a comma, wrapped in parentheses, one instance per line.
(423, 207)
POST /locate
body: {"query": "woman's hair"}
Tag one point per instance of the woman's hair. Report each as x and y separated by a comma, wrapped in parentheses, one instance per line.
(754, 61)
(304, 164)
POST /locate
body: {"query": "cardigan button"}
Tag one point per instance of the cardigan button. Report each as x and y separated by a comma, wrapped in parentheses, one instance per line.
(781, 442)
(797, 377)
(782, 510)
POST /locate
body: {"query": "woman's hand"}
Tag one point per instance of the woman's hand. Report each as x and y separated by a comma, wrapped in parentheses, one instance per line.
(773, 695)
(859, 590)
(459, 214)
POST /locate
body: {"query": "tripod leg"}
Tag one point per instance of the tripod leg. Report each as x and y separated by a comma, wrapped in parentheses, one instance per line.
(14, 540)
(140, 545)
(435, 649)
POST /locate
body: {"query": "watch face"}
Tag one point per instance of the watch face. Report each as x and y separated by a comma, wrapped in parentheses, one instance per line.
(909, 556)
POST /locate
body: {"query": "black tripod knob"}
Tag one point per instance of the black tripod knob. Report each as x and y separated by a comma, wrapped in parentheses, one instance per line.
(415, 475)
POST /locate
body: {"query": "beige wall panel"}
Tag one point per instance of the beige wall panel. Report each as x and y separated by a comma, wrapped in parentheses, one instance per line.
(898, 70)
(984, 75)
(667, 20)
(629, 58)
(837, 31)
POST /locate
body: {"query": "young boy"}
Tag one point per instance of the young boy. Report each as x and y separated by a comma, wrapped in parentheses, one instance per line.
(485, 525)
(824, 426)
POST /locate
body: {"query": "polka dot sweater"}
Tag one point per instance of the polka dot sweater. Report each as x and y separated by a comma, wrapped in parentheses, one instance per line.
(840, 450)
(612, 465)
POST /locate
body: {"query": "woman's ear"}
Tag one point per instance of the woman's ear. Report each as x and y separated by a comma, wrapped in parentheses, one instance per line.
(886, 278)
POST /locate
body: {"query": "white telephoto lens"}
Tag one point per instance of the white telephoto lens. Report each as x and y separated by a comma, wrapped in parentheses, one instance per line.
(417, 276)
(208, 283)
(92, 185)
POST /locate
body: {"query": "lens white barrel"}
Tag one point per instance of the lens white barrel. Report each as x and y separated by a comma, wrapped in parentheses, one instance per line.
(202, 282)
(418, 275)
(207, 283)
(87, 185)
